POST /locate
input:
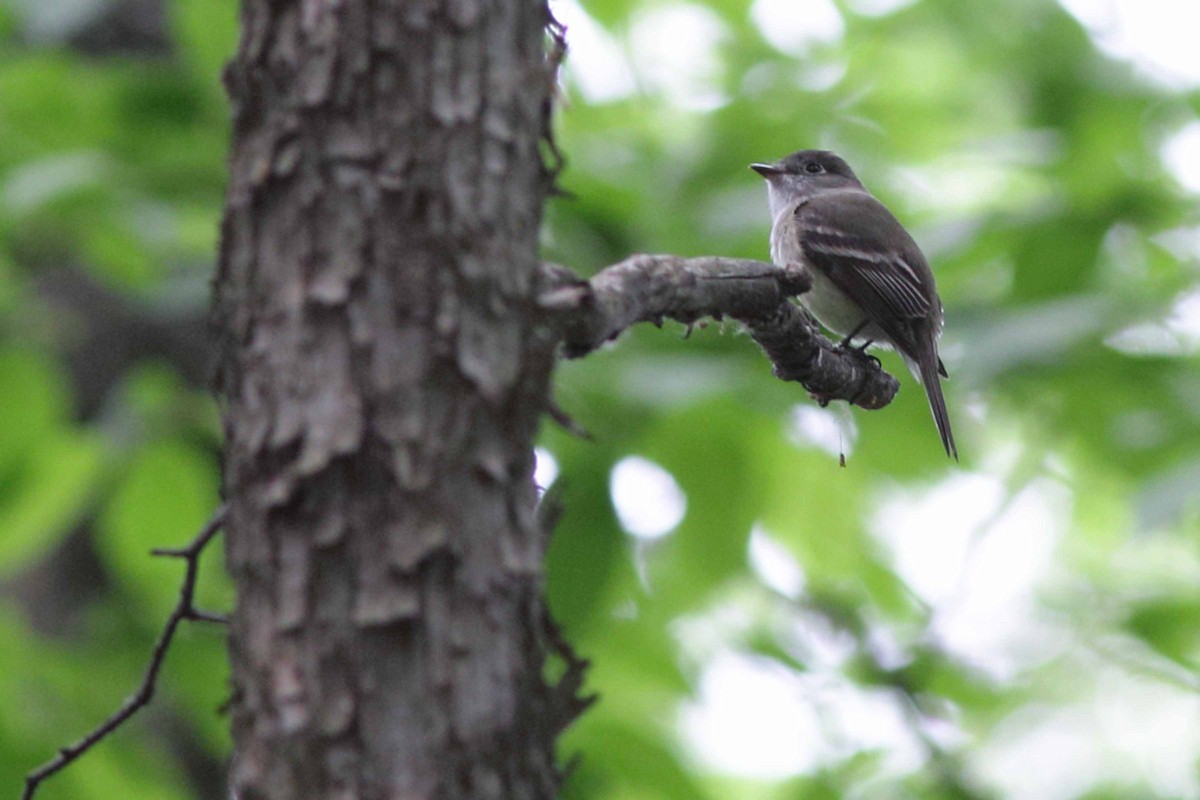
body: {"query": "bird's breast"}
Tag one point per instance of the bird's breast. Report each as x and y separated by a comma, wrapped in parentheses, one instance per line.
(824, 300)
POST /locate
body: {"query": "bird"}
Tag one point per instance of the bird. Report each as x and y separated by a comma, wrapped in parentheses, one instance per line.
(870, 279)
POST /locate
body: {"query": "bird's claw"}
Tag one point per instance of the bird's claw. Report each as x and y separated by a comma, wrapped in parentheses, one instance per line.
(844, 348)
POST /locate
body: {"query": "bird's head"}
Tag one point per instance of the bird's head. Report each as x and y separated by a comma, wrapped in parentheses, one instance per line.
(803, 174)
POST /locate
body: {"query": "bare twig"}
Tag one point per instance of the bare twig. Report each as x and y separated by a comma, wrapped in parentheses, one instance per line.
(569, 704)
(145, 692)
(566, 421)
(650, 288)
(555, 55)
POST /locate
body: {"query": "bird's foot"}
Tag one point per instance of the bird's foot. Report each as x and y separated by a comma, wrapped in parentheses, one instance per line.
(861, 351)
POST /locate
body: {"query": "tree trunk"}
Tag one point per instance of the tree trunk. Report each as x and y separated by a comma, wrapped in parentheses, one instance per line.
(383, 379)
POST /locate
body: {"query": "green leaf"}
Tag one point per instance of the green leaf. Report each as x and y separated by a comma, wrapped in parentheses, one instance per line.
(1171, 626)
(629, 758)
(47, 496)
(167, 493)
(33, 403)
(206, 31)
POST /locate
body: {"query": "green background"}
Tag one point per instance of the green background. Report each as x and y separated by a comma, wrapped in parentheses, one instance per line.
(1024, 624)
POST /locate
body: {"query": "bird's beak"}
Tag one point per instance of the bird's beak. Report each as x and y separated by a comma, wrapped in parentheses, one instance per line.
(768, 171)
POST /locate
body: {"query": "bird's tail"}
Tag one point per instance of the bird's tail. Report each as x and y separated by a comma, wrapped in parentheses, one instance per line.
(927, 368)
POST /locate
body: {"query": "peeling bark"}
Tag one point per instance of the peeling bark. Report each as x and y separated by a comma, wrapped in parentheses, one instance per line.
(382, 381)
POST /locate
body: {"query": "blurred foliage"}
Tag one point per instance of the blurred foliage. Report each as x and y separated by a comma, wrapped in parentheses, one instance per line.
(1026, 623)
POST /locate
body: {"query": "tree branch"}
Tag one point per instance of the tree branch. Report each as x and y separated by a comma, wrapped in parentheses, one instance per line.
(184, 609)
(649, 288)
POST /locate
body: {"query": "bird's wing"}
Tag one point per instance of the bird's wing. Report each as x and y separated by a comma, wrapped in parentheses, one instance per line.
(855, 241)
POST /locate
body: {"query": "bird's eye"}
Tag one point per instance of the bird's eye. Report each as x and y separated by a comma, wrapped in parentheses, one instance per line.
(813, 167)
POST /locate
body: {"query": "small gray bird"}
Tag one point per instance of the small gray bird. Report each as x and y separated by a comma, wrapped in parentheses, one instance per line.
(870, 280)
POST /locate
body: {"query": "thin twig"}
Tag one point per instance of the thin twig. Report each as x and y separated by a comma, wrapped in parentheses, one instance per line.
(569, 704)
(135, 702)
(566, 421)
(555, 55)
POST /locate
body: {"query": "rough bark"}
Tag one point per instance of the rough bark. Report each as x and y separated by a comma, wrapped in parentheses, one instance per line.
(382, 384)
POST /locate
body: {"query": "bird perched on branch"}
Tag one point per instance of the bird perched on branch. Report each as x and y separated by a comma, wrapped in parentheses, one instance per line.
(870, 280)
